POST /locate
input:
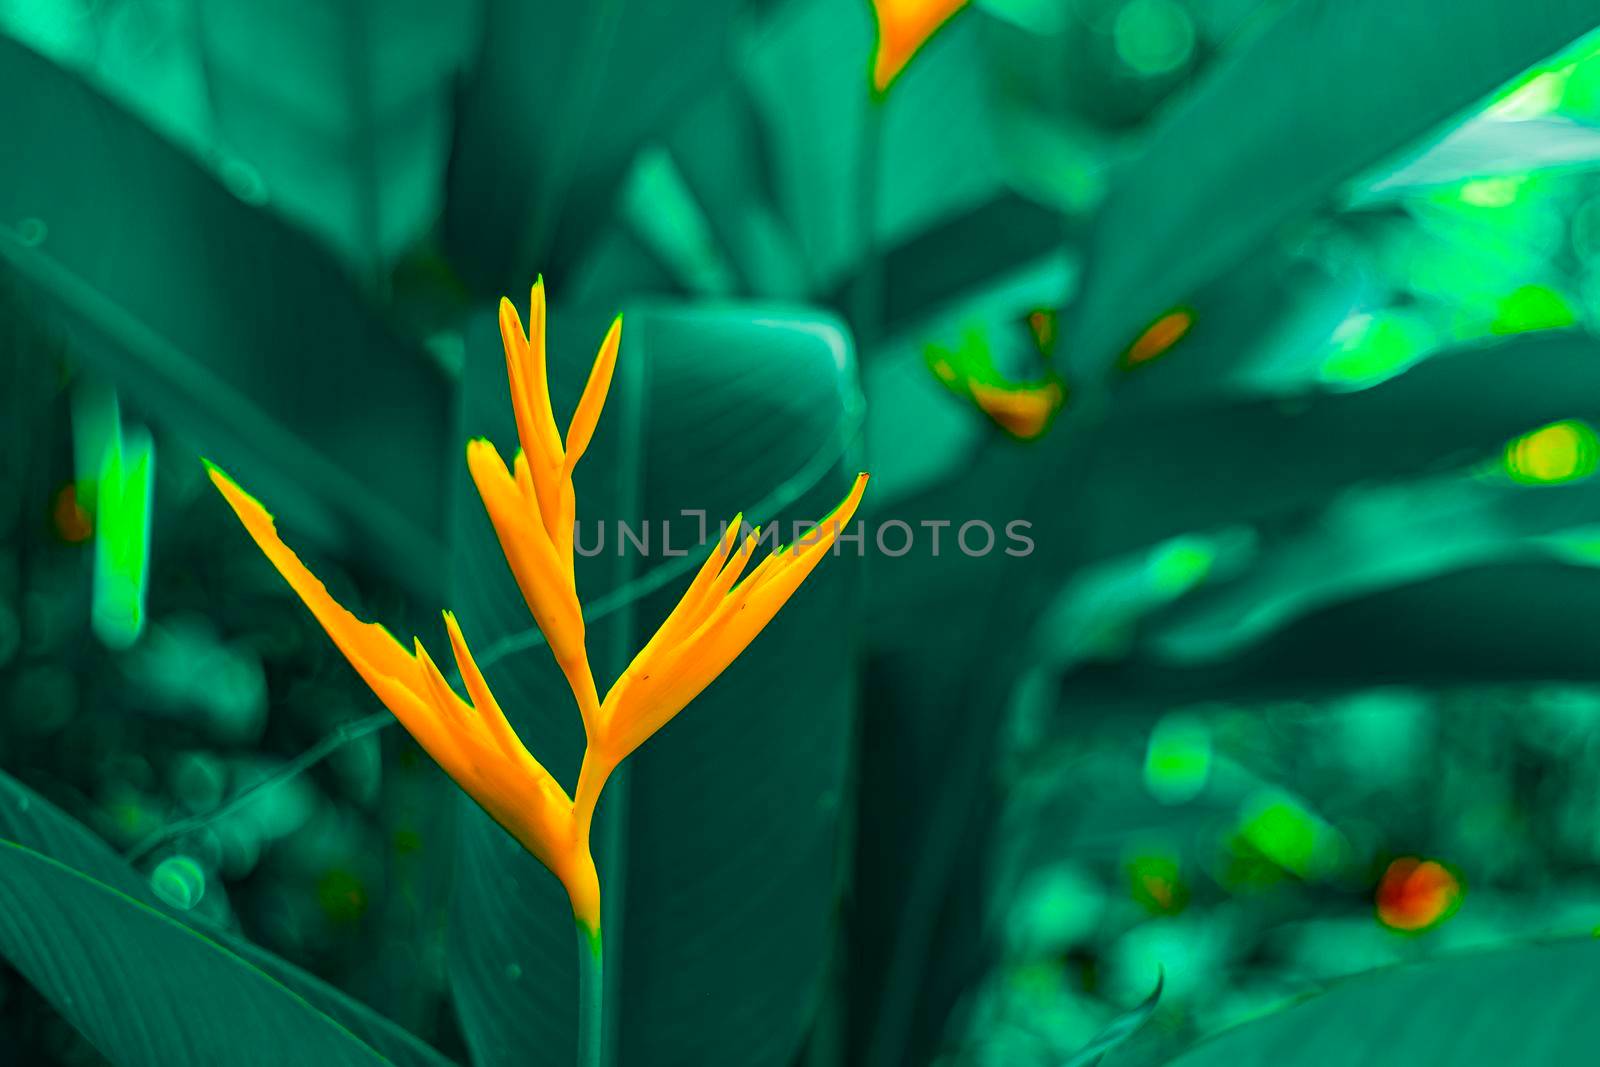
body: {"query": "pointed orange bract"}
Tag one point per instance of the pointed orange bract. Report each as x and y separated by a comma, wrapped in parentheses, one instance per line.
(473, 742)
(713, 623)
(533, 510)
(531, 506)
(903, 27)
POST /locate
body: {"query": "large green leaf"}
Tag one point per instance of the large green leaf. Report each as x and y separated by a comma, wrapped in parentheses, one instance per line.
(30, 821)
(720, 843)
(145, 989)
(221, 320)
(344, 109)
(1369, 540)
(560, 99)
(896, 206)
(1324, 93)
(1520, 1005)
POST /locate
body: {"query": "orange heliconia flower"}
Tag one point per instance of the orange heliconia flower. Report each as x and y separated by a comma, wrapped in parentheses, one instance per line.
(531, 506)
(903, 27)
(1415, 894)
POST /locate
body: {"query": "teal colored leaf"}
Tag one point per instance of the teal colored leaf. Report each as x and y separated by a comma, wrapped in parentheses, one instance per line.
(338, 115)
(549, 120)
(145, 989)
(221, 321)
(720, 844)
(345, 110)
(1323, 94)
(1370, 540)
(1432, 1013)
(28, 821)
(718, 149)
(1487, 147)
(793, 167)
(850, 173)
(1243, 459)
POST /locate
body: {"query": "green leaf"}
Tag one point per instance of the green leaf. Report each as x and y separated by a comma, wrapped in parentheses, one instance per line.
(1485, 147)
(720, 843)
(717, 148)
(561, 98)
(222, 321)
(1367, 541)
(31, 822)
(1521, 1005)
(909, 199)
(1320, 96)
(145, 989)
(344, 109)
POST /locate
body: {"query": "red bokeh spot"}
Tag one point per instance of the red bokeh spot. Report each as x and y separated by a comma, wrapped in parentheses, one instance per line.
(1415, 894)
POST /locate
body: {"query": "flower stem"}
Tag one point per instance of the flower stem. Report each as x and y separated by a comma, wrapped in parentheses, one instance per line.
(591, 995)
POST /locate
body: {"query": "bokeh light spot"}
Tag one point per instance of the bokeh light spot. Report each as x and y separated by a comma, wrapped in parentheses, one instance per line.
(1178, 565)
(1565, 451)
(1277, 827)
(1156, 884)
(179, 881)
(69, 518)
(1415, 895)
(1177, 760)
(1153, 37)
(1532, 307)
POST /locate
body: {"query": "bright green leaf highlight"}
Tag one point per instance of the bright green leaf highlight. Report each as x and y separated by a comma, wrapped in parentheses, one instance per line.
(122, 549)
(1561, 452)
(1533, 96)
(1532, 307)
(1179, 564)
(1492, 192)
(1177, 761)
(1284, 832)
(1369, 348)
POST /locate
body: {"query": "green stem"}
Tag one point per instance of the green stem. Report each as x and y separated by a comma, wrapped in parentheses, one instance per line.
(591, 995)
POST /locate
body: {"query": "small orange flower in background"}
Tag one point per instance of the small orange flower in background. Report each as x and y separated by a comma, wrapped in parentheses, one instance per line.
(1159, 337)
(531, 505)
(1416, 894)
(72, 523)
(1022, 409)
(903, 27)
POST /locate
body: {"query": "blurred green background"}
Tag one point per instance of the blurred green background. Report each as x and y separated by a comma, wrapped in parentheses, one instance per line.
(1272, 322)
